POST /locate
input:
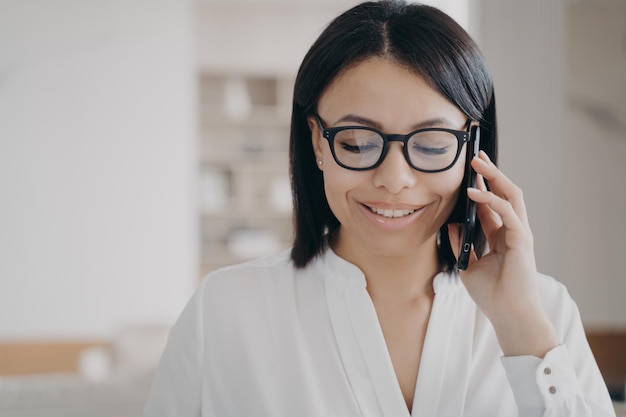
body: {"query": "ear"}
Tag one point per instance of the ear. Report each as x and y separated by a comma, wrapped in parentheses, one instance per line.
(316, 140)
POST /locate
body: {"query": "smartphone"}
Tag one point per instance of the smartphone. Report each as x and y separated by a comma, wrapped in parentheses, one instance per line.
(469, 220)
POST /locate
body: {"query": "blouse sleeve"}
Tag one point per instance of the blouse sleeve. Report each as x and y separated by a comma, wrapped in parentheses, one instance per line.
(567, 381)
(177, 384)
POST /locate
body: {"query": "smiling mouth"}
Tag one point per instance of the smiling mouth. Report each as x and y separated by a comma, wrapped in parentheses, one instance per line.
(391, 214)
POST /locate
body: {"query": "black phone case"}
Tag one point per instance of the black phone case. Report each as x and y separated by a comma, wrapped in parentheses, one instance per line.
(469, 221)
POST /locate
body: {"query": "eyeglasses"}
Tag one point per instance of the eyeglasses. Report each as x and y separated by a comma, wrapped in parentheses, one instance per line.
(360, 148)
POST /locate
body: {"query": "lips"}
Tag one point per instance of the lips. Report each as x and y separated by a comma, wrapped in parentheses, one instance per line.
(392, 213)
(390, 216)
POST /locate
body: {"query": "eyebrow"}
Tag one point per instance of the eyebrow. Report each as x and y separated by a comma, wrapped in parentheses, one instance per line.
(435, 121)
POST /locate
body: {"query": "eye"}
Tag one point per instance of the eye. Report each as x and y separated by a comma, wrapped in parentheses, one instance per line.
(426, 150)
(358, 141)
(360, 147)
(433, 143)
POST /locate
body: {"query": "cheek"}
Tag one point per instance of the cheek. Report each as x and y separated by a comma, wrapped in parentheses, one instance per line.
(452, 186)
(336, 183)
(448, 186)
(450, 180)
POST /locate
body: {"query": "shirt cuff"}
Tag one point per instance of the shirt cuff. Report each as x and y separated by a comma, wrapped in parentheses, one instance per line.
(539, 383)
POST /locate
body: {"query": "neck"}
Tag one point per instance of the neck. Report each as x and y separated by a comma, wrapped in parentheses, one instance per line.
(392, 276)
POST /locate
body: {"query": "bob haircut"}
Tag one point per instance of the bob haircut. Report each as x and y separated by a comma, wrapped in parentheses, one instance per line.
(421, 38)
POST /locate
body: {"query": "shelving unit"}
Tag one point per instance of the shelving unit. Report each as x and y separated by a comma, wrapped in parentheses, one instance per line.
(245, 199)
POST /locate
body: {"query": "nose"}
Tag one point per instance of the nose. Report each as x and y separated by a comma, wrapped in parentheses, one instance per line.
(394, 173)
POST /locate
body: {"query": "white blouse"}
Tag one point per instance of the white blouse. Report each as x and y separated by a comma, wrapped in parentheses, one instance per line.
(265, 339)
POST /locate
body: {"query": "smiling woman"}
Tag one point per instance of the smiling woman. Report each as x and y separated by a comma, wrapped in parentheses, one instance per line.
(368, 314)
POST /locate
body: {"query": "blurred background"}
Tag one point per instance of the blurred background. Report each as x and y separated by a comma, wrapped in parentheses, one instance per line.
(144, 143)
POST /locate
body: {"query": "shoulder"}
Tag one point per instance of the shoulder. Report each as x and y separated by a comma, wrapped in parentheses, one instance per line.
(280, 260)
(244, 299)
(252, 272)
(254, 281)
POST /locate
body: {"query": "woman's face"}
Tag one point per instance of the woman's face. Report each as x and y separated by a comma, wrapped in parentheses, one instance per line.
(392, 210)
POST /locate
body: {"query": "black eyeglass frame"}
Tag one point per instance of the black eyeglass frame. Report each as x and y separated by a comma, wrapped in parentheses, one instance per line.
(329, 133)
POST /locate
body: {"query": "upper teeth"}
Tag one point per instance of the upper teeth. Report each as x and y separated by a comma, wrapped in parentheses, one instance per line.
(392, 214)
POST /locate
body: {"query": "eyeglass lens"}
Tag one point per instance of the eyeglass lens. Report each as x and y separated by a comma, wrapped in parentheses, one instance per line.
(429, 150)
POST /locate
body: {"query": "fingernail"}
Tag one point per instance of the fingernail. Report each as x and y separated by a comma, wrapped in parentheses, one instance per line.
(472, 190)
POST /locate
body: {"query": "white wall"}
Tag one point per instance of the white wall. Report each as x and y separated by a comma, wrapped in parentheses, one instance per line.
(523, 44)
(571, 167)
(259, 36)
(272, 36)
(596, 142)
(97, 162)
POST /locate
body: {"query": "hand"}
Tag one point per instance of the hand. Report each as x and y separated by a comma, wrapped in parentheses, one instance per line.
(503, 282)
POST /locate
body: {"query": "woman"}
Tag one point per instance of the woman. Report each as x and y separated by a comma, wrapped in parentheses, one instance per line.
(368, 314)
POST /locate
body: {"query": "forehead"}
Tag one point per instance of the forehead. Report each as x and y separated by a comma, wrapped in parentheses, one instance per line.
(387, 92)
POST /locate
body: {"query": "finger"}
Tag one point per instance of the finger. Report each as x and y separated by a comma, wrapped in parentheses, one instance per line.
(503, 208)
(501, 185)
(485, 213)
(490, 221)
(480, 183)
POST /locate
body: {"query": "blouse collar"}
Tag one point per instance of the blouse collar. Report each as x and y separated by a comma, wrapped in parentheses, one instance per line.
(349, 275)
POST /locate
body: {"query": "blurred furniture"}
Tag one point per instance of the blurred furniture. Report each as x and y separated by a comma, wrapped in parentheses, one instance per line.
(81, 379)
(245, 195)
(609, 349)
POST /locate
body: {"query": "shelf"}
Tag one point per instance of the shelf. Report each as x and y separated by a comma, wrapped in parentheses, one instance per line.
(245, 197)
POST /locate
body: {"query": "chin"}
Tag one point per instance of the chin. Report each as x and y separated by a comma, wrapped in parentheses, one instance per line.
(397, 247)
